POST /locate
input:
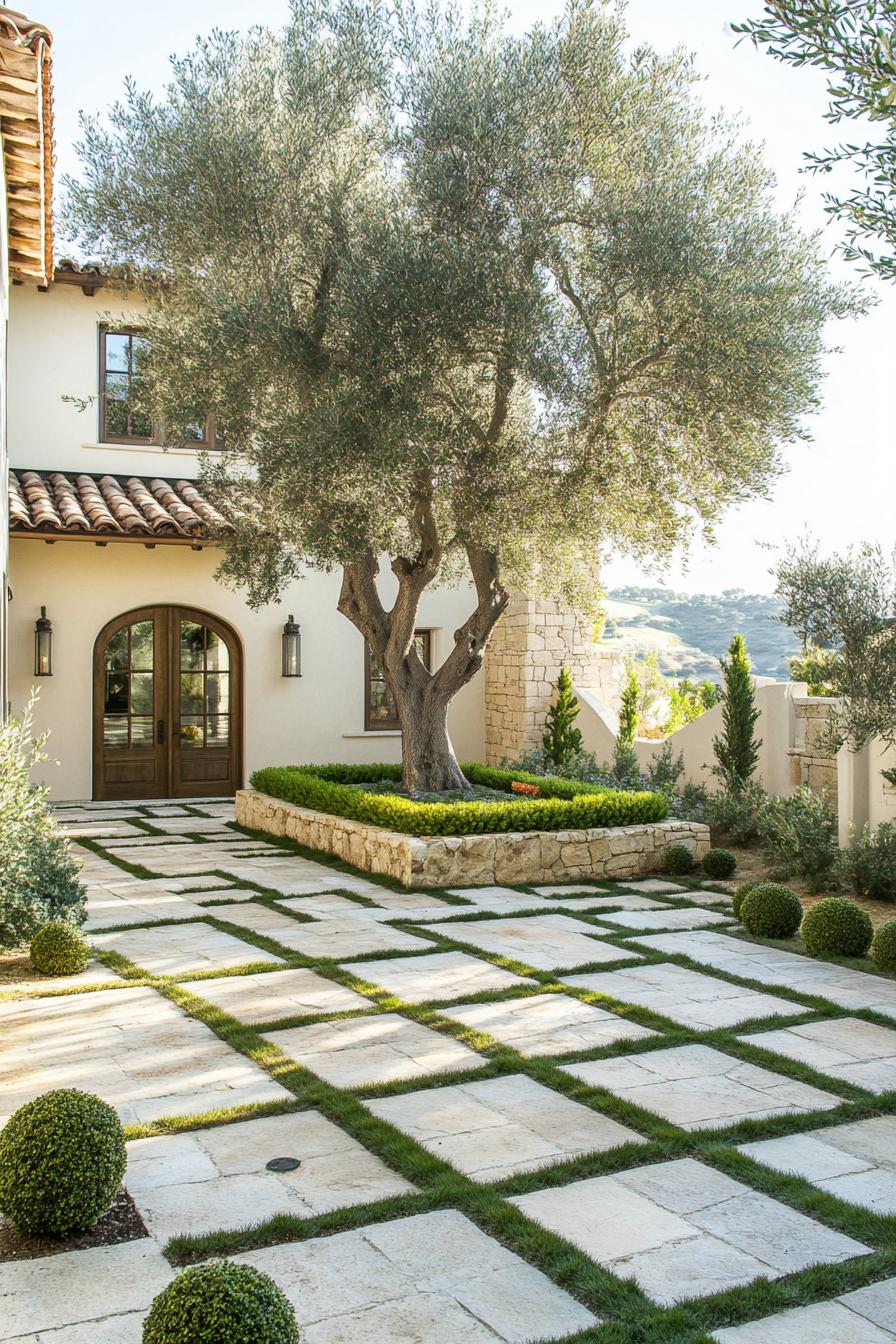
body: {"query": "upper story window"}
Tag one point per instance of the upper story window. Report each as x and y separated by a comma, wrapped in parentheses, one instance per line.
(121, 420)
(120, 355)
(380, 712)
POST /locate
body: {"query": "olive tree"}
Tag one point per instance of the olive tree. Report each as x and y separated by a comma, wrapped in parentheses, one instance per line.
(469, 304)
(854, 42)
(845, 605)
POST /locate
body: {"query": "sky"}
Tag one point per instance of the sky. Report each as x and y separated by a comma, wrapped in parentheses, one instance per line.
(842, 484)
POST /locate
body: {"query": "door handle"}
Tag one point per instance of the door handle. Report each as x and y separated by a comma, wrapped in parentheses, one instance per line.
(160, 731)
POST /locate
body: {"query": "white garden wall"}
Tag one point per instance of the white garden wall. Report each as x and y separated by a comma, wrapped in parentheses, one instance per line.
(790, 722)
(780, 726)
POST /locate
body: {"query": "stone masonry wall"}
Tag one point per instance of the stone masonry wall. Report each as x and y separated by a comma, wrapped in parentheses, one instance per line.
(466, 860)
(532, 641)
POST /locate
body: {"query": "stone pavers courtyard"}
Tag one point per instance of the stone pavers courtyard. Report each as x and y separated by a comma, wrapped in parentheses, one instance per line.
(682, 1229)
(697, 1087)
(520, 1114)
(855, 1162)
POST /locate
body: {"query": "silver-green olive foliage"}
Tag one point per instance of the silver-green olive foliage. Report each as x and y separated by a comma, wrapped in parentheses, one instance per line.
(481, 302)
(854, 42)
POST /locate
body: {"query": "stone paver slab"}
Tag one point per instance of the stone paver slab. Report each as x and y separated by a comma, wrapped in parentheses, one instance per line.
(272, 995)
(331, 938)
(696, 1086)
(410, 903)
(332, 905)
(688, 997)
(547, 942)
(444, 975)
(126, 1329)
(859, 1052)
(435, 1277)
(146, 902)
(548, 1024)
(710, 896)
(658, 885)
(178, 949)
(683, 1230)
(842, 985)
(361, 1050)
(295, 876)
(212, 1179)
(133, 1047)
(669, 918)
(494, 1129)
(571, 889)
(61, 1292)
(822, 1323)
(856, 1161)
(224, 894)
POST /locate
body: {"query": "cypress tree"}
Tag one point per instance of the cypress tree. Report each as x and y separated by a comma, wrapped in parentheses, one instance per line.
(561, 740)
(629, 708)
(736, 749)
(625, 759)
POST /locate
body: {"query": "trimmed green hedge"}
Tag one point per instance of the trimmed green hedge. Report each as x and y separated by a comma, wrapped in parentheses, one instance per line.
(566, 804)
(62, 1158)
(219, 1302)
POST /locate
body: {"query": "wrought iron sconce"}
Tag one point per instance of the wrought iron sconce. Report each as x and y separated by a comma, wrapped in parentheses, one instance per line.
(292, 650)
(43, 645)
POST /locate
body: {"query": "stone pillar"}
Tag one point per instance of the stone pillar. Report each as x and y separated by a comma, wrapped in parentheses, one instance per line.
(810, 764)
(531, 642)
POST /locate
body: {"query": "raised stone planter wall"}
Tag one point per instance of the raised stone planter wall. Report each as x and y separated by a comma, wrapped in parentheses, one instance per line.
(466, 860)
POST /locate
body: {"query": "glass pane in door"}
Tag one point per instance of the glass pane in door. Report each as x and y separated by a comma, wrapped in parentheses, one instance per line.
(129, 687)
(204, 687)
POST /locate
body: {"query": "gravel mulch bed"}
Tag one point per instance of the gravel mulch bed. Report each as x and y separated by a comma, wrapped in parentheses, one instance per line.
(121, 1223)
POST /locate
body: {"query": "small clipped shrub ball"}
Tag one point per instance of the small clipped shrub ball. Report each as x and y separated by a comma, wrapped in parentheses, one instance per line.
(221, 1303)
(741, 895)
(771, 911)
(679, 860)
(62, 1158)
(59, 949)
(719, 863)
(883, 947)
(837, 927)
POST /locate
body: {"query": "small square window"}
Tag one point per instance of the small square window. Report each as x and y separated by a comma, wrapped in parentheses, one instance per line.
(380, 712)
(121, 418)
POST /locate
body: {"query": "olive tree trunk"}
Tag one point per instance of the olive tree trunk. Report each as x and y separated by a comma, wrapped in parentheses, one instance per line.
(422, 696)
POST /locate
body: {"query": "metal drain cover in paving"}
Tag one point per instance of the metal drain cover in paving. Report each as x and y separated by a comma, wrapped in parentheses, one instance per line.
(283, 1164)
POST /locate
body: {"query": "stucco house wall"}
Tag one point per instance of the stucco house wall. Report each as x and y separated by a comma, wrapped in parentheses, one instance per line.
(53, 364)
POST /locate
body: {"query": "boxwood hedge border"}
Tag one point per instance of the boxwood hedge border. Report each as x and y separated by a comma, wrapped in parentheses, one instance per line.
(564, 805)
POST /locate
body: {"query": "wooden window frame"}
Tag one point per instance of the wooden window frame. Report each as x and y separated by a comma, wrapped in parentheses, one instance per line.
(208, 443)
(389, 725)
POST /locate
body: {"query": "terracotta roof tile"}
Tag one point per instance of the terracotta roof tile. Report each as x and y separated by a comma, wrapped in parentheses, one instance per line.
(110, 506)
(26, 130)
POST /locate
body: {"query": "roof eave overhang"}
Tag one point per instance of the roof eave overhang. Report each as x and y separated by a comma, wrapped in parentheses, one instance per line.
(111, 538)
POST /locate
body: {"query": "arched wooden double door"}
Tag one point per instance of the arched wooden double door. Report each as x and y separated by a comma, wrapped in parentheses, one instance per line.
(167, 702)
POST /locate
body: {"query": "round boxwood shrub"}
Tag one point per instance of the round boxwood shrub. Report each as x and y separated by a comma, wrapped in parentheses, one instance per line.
(221, 1303)
(719, 863)
(741, 895)
(883, 946)
(59, 949)
(771, 911)
(837, 927)
(679, 860)
(62, 1157)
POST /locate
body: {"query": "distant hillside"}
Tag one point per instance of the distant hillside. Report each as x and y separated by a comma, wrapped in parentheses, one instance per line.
(691, 631)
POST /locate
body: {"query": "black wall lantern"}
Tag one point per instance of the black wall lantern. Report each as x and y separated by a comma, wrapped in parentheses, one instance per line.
(292, 650)
(43, 645)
